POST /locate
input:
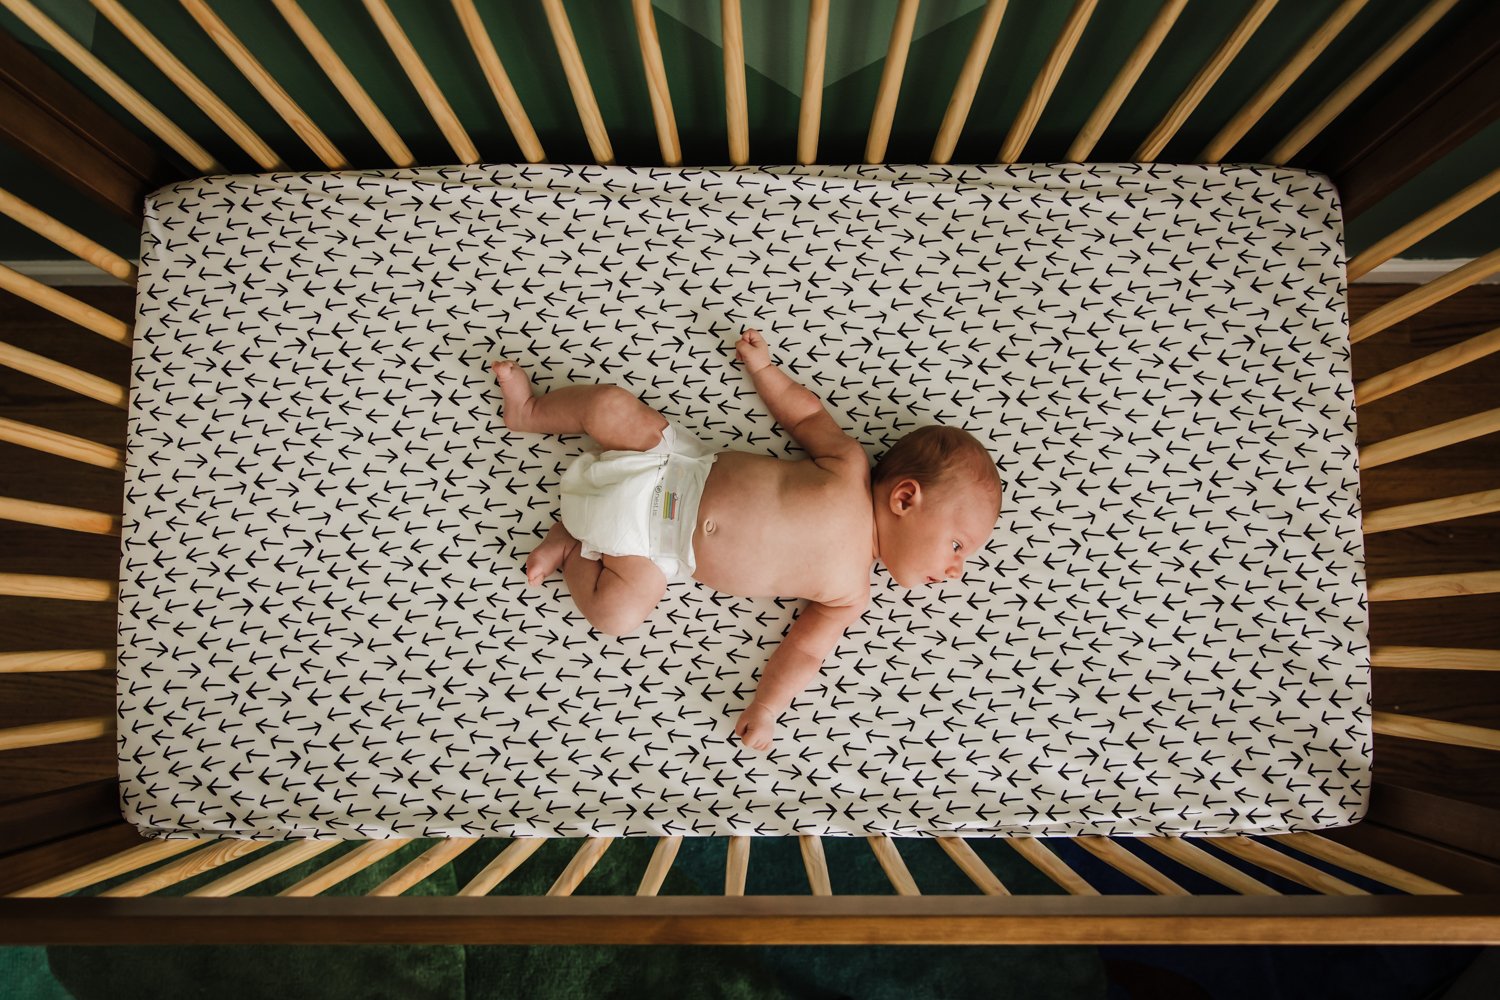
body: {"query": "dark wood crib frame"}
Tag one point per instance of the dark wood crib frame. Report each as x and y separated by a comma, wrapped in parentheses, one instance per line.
(1441, 851)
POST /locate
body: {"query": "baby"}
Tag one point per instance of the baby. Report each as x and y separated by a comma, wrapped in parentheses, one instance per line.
(658, 505)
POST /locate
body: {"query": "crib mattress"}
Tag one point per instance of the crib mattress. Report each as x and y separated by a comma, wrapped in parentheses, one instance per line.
(324, 628)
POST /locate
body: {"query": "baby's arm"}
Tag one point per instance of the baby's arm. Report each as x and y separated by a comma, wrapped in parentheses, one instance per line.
(796, 661)
(793, 405)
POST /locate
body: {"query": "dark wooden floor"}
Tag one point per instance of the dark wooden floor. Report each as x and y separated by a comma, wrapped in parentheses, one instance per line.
(1471, 544)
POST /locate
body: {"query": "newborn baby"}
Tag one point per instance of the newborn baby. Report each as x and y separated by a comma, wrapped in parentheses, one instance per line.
(657, 505)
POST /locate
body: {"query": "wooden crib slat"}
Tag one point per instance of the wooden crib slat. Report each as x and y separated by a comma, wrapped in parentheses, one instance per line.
(1424, 225)
(51, 515)
(215, 855)
(499, 81)
(1362, 864)
(517, 851)
(1414, 588)
(345, 866)
(186, 81)
(348, 87)
(1046, 81)
(1429, 439)
(1268, 95)
(816, 864)
(1201, 84)
(107, 80)
(1435, 658)
(62, 375)
(64, 305)
(578, 81)
(656, 82)
(1422, 369)
(1050, 865)
(1200, 861)
(58, 588)
(266, 84)
(970, 863)
(1432, 511)
(41, 734)
(1416, 727)
(583, 862)
(890, 81)
(1335, 103)
(49, 660)
(419, 868)
(736, 105)
(814, 61)
(1128, 864)
(1423, 296)
(736, 865)
(283, 858)
(895, 868)
(95, 872)
(967, 85)
(60, 444)
(661, 862)
(1287, 867)
(427, 88)
(66, 237)
(1109, 104)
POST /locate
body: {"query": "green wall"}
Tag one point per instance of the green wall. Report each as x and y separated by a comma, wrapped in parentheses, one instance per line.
(774, 37)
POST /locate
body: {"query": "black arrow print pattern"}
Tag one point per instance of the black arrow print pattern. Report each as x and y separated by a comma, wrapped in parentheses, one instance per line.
(324, 628)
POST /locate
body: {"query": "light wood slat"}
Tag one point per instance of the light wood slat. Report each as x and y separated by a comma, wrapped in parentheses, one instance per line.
(895, 868)
(578, 81)
(67, 237)
(58, 588)
(1109, 104)
(736, 865)
(63, 305)
(60, 444)
(1432, 292)
(54, 660)
(499, 81)
(1362, 864)
(967, 85)
(736, 104)
(51, 515)
(1435, 658)
(186, 81)
(41, 734)
(1050, 865)
(583, 862)
(107, 868)
(1287, 867)
(1201, 84)
(1432, 511)
(265, 84)
(1278, 85)
(890, 81)
(345, 866)
(294, 853)
(62, 375)
(421, 867)
(1425, 225)
(1128, 864)
(1429, 439)
(215, 855)
(814, 62)
(1416, 727)
(427, 88)
(662, 857)
(348, 87)
(1200, 861)
(1409, 374)
(1046, 81)
(816, 864)
(1415, 588)
(128, 97)
(970, 863)
(1334, 104)
(656, 83)
(517, 851)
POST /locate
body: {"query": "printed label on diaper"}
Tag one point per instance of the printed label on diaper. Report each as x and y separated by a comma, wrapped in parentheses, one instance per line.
(664, 502)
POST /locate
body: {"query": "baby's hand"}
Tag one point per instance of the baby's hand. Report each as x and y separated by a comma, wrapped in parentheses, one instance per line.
(756, 726)
(753, 351)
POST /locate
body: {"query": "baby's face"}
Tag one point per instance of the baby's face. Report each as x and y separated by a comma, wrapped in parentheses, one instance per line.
(933, 534)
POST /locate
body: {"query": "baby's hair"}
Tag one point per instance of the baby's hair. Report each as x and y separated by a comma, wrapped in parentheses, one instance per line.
(938, 456)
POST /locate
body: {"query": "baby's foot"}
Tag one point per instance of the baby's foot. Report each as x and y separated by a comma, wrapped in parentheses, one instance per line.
(549, 555)
(516, 388)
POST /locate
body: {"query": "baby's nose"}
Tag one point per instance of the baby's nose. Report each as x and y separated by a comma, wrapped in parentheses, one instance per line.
(955, 571)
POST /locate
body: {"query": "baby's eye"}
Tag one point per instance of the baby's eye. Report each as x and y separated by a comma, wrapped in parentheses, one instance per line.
(957, 545)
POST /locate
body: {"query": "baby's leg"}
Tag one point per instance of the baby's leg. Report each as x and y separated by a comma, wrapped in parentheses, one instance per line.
(609, 414)
(616, 594)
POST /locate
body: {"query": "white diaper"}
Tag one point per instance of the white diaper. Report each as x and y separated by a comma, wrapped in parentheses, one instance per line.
(639, 503)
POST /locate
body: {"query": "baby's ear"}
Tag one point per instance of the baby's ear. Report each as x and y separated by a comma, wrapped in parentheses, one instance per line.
(905, 494)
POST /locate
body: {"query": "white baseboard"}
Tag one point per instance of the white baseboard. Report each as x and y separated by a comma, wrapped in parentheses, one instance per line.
(1397, 272)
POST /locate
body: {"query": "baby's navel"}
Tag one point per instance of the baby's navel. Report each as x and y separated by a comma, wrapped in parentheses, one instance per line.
(708, 526)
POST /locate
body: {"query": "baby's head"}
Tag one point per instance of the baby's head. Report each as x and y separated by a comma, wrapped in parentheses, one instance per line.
(937, 496)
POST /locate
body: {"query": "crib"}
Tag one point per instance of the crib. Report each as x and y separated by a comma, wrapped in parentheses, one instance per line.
(1422, 867)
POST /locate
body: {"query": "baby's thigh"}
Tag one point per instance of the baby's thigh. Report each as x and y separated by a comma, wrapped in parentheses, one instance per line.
(628, 590)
